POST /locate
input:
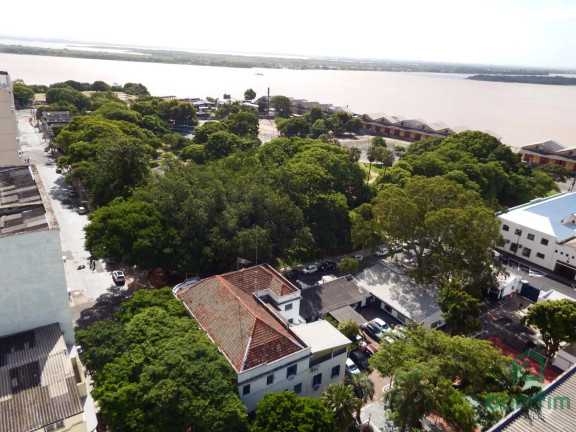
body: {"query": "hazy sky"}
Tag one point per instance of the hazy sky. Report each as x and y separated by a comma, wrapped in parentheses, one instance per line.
(514, 32)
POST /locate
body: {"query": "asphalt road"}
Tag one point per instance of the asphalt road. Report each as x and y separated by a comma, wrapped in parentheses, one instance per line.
(85, 285)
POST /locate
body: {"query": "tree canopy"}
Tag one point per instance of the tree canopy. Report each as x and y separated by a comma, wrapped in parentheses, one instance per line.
(556, 320)
(287, 412)
(158, 372)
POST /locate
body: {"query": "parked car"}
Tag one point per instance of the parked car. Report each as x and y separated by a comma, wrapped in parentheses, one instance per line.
(310, 269)
(328, 265)
(81, 210)
(58, 170)
(381, 252)
(360, 359)
(357, 256)
(381, 324)
(351, 367)
(409, 259)
(372, 331)
(71, 193)
(290, 274)
(369, 350)
(118, 276)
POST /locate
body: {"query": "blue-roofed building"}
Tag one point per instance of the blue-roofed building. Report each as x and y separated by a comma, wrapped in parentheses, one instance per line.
(543, 232)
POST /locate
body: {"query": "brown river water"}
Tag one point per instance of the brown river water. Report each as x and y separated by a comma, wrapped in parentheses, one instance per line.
(519, 114)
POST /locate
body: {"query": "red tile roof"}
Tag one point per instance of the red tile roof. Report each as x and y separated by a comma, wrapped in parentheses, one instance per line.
(245, 331)
(260, 278)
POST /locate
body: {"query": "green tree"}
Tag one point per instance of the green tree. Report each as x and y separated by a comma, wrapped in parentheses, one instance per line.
(349, 328)
(318, 128)
(203, 132)
(411, 397)
(450, 230)
(135, 89)
(23, 95)
(460, 310)
(193, 152)
(121, 164)
(99, 86)
(220, 144)
(340, 399)
(243, 123)
(142, 300)
(132, 231)
(385, 157)
(353, 125)
(314, 114)
(348, 265)
(558, 173)
(155, 125)
(118, 111)
(354, 153)
(365, 232)
(68, 95)
(363, 388)
(290, 127)
(378, 141)
(371, 154)
(286, 412)
(168, 377)
(249, 94)
(282, 106)
(556, 321)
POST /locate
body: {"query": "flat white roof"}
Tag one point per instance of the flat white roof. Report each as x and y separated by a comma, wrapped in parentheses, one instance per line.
(392, 285)
(320, 336)
(545, 215)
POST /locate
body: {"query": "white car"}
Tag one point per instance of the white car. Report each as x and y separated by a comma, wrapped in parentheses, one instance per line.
(81, 210)
(118, 276)
(381, 252)
(382, 326)
(358, 257)
(351, 367)
(310, 269)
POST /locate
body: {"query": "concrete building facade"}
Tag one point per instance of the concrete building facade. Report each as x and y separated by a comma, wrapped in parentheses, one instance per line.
(10, 153)
(543, 232)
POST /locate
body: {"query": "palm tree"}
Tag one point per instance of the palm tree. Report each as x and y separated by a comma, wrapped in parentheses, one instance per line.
(340, 399)
(363, 389)
(371, 154)
(410, 399)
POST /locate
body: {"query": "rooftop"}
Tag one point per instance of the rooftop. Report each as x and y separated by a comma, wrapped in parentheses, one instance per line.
(545, 215)
(229, 309)
(551, 146)
(329, 296)
(390, 284)
(24, 206)
(321, 336)
(37, 382)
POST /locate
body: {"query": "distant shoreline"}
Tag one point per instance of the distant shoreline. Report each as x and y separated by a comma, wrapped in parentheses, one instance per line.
(245, 61)
(523, 79)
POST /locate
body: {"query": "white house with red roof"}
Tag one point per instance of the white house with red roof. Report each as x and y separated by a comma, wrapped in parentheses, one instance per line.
(253, 316)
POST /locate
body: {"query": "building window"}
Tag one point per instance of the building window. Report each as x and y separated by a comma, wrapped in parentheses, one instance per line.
(335, 371)
(505, 227)
(288, 307)
(270, 379)
(298, 388)
(540, 255)
(514, 247)
(316, 381)
(246, 390)
(526, 252)
(544, 242)
(518, 232)
(291, 371)
(530, 236)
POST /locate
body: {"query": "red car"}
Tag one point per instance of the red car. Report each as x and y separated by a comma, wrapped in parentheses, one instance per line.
(369, 350)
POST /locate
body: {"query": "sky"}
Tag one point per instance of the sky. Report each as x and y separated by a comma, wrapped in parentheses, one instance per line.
(540, 33)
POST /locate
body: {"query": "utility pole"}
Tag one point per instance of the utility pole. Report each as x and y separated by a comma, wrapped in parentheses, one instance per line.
(268, 107)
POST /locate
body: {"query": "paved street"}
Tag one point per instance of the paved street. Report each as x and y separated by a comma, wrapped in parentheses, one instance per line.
(84, 285)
